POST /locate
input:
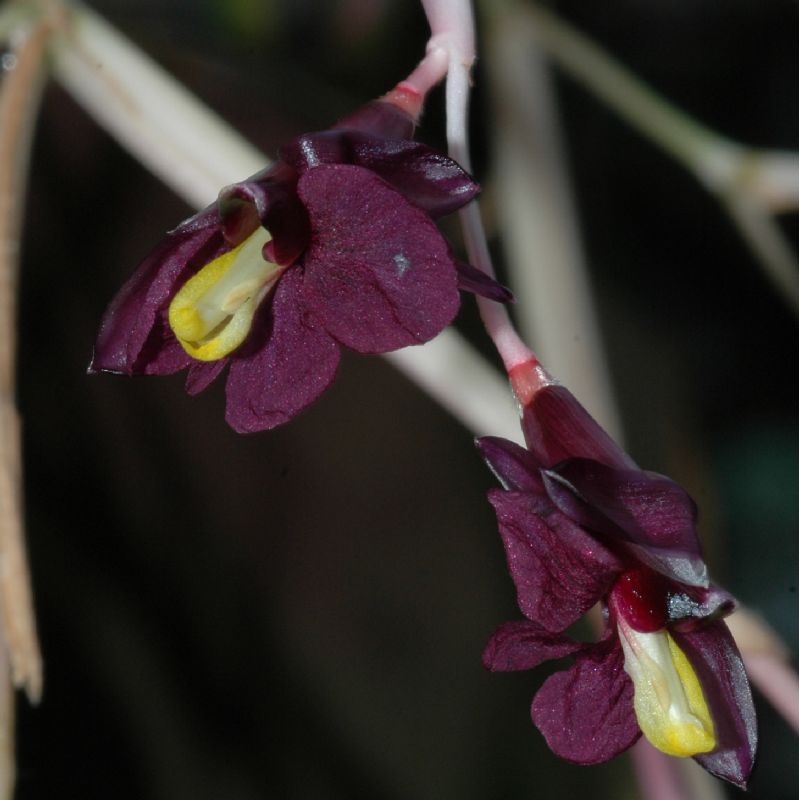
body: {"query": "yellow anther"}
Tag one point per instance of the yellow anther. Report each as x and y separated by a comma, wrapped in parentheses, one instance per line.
(669, 702)
(212, 313)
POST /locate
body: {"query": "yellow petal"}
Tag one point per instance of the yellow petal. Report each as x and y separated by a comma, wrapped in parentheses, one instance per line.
(669, 702)
(212, 313)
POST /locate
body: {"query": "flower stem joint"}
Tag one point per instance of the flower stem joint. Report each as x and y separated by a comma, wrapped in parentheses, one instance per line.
(333, 245)
(583, 525)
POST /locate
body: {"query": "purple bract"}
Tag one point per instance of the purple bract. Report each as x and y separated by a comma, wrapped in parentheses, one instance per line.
(582, 525)
(333, 245)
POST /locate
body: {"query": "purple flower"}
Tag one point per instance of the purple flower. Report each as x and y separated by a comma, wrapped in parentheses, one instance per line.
(582, 525)
(333, 245)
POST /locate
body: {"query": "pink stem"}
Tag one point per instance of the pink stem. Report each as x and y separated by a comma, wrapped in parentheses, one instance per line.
(452, 28)
(656, 775)
(776, 679)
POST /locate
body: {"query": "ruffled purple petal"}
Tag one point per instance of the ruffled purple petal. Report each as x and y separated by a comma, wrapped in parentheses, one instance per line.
(512, 465)
(131, 331)
(653, 513)
(557, 427)
(523, 645)
(586, 713)
(471, 279)
(714, 656)
(284, 365)
(378, 274)
(558, 569)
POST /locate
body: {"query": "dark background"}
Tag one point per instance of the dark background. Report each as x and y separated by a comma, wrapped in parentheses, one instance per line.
(301, 613)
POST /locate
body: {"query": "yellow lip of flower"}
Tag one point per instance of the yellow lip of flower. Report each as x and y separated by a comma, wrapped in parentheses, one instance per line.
(212, 313)
(669, 702)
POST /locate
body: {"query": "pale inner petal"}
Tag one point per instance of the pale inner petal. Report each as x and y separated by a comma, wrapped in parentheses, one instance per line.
(212, 313)
(669, 702)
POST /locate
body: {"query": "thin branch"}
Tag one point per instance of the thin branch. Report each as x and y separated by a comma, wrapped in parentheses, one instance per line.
(750, 184)
(19, 102)
(169, 130)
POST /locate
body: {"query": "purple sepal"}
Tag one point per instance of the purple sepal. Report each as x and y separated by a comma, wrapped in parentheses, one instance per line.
(522, 644)
(428, 179)
(714, 656)
(557, 427)
(653, 513)
(471, 279)
(559, 570)
(284, 365)
(202, 374)
(513, 465)
(132, 330)
(586, 713)
(378, 274)
(379, 118)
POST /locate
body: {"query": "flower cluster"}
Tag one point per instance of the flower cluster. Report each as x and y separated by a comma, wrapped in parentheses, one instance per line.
(334, 244)
(581, 526)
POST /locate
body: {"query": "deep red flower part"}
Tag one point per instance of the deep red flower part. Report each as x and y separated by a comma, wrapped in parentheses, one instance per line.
(334, 244)
(582, 525)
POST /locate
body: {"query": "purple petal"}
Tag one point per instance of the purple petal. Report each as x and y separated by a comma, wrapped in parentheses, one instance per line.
(378, 274)
(202, 374)
(512, 465)
(282, 367)
(559, 570)
(124, 341)
(429, 179)
(651, 512)
(714, 656)
(557, 427)
(523, 645)
(586, 713)
(471, 279)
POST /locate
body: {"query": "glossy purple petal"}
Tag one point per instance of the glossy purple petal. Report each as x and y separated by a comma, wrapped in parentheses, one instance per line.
(471, 279)
(283, 366)
(714, 656)
(557, 427)
(653, 513)
(558, 569)
(513, 466)
(523, 645)
(378, 274)
(429, 179)
(586, 713)
(131, 329)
